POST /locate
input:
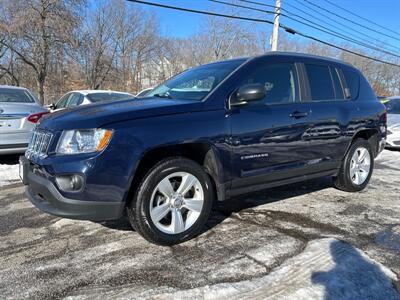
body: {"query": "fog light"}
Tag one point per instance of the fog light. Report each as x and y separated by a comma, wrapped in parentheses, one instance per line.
(70, 183)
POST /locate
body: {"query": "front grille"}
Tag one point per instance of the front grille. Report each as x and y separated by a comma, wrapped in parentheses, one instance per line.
(39, 144)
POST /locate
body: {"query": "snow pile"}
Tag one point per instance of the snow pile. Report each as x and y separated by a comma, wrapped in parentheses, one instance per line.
(8, 174)
(326, 269)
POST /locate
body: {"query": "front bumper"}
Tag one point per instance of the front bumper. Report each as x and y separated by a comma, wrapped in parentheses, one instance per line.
(45, 196)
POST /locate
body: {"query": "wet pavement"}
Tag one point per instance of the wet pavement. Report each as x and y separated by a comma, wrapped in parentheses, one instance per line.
(303, 241)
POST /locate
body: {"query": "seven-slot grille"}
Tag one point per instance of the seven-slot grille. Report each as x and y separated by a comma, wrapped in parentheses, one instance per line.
(39, 144)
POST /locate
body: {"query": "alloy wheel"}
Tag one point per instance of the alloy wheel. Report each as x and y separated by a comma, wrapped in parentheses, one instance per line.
(360, 166)
(176, 202)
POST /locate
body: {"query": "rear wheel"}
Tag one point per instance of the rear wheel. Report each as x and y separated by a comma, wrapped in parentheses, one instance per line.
(173, 202)
(356, 169)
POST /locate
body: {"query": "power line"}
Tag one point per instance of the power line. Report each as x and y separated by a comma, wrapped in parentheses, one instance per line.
(358, 16)
(368, 41)
(332, 19)
(355, 23)
(318, 27)
(286, 28)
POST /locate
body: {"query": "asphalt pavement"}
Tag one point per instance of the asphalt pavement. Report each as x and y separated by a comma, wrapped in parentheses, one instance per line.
(303, 241)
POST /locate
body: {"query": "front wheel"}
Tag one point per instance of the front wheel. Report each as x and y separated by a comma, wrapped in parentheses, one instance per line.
(356, 169)
(173, 202)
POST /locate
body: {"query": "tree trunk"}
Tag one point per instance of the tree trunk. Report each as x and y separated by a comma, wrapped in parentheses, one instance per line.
(40, 81)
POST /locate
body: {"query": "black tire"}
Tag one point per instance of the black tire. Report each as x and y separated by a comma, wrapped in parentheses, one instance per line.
(139, 209)
(343, 181)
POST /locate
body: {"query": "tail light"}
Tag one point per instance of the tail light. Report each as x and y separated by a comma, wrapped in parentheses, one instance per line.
(34, 118)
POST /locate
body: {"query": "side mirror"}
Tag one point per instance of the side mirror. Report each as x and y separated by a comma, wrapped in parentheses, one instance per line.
(248, 92)
(51, 106)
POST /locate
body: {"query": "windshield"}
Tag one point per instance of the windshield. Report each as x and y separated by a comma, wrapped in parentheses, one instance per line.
(15, 96)
(393, 106)
(196, 83)
(97, 97)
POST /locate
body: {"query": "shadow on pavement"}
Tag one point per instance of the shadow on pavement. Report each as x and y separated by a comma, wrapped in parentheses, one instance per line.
(353, 276)
(120, 224)
(10, 159)
(225, 209)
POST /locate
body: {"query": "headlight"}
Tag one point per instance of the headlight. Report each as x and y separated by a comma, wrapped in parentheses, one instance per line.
(83, 141)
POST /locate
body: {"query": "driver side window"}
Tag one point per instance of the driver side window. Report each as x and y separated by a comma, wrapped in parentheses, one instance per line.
(280, 81)
(74, 100)
(63, 101)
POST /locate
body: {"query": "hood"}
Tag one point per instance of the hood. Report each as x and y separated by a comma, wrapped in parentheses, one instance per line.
(99, 114)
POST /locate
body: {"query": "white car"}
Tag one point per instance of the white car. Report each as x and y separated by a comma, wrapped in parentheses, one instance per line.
(19, 111)
(393, 125)
(84, 97)
(143, 93)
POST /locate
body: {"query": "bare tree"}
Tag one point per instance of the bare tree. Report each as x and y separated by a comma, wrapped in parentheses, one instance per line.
(53, 46)
(98, 47)
(33, 28)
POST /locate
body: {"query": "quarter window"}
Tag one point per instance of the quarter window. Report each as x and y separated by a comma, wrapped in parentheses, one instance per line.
(353, 82)
(279, 80)
(320, 80)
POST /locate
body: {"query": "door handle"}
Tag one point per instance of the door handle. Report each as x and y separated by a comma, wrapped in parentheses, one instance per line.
(298, 114)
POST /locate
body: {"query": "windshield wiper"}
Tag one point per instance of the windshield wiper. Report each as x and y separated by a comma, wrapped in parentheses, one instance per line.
(164, 95)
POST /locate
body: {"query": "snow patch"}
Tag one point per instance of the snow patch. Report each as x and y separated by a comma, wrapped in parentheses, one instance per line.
(327, 269)
(8, 173)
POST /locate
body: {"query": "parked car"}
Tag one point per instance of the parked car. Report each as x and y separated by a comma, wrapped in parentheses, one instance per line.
(212, 132)
(393, 131)
(19, 111)
(144, 93)
(83, 97)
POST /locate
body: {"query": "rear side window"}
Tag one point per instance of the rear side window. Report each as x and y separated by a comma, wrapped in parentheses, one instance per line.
(15, 96)
(353, 82)
(320, 80)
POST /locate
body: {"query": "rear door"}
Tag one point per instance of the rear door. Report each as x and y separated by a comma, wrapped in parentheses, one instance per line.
(331, 110)
(268, 135)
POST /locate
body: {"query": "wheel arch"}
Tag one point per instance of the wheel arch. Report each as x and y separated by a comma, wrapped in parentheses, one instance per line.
(201, 152)
(369, 134)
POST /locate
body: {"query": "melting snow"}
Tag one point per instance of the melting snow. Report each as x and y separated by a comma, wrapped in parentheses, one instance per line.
(8, 174)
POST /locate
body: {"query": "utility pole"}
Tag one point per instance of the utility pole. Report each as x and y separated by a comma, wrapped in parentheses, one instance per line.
(275, 30)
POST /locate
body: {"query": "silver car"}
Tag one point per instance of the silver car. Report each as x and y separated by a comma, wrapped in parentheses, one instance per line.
(393, 121)
(19, 111)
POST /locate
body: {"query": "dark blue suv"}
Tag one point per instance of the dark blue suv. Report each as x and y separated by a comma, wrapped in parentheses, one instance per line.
(211, 132)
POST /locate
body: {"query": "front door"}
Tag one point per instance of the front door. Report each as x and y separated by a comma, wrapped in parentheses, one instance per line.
(268, 142)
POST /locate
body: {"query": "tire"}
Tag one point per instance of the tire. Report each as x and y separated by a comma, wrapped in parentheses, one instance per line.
(346, 179)
(154, 198)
